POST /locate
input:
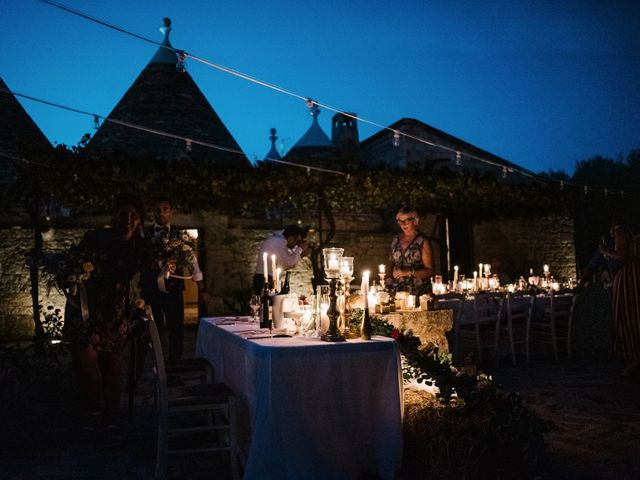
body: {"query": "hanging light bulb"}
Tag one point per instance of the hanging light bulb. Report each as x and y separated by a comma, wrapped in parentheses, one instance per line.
(458, 159)
(187, 146)
(396, 138)
(310, 103)
(96, 122)
(504, 172)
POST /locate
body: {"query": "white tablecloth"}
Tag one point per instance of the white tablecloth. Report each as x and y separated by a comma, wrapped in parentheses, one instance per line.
(310, 409)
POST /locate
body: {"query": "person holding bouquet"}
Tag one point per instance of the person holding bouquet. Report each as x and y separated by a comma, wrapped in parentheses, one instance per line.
(162, 285)
(97, 312)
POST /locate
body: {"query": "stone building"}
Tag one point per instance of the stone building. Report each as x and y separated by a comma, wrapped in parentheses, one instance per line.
(163, 99)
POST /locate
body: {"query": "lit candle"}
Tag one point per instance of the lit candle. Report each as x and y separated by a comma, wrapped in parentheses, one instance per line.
(487, 268)
(365, 289)
(333, 264)
(266, 272)
(480, 265)
(411, 302)
(545, 269)
(277, 280)
(274, 274)
(475, 279)
(455, 276)
(382, 268)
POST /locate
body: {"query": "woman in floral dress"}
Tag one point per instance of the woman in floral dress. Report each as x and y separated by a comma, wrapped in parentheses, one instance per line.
(411, 259)
(96, 319)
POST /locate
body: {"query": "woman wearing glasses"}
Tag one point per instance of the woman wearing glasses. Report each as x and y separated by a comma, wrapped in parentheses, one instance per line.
(411, 259)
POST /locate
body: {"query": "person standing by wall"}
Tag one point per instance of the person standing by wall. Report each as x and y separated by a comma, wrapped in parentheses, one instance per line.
(411, 259)
(625, 300)
(165, 292)
(288, 247)
(96, 317)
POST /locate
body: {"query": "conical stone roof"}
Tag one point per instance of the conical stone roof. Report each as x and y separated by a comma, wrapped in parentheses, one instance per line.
(168, 100)
(19, 136)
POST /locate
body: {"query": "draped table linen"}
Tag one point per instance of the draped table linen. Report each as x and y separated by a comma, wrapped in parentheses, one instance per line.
(309, 409)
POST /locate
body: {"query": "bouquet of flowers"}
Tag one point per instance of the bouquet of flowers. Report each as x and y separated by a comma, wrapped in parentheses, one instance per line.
(179, 250)
(64, 271)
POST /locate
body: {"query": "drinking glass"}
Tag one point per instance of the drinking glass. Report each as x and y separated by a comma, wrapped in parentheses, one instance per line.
(256, 304)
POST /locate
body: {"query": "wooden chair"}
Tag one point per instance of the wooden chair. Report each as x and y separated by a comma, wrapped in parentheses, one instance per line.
(204, 413)
(455, 302)
(184, 371)
(485, 327)
(555, 323)
(518, 325)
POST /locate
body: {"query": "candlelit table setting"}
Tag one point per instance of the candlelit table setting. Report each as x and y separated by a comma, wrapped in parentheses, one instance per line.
(309, 408)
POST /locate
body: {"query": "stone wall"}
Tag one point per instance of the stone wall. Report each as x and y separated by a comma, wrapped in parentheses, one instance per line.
(229, 247)
(528, 242)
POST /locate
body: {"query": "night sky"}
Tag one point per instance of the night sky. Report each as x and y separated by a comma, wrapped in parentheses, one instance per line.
(542, 84)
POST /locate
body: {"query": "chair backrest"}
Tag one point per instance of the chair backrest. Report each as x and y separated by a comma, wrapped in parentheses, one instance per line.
(455, 302)
(487, 307)
(519, 306)
(562, 306)
(159, 366)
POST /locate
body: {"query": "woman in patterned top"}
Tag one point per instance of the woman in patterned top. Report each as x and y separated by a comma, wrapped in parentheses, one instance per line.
(411, 259)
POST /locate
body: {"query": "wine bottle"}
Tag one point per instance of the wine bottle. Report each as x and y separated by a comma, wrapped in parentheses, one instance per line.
(365, 326)
(265, 298)
(285, 286)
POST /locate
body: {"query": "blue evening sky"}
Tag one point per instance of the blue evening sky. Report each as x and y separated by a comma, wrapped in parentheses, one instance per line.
(541, 83)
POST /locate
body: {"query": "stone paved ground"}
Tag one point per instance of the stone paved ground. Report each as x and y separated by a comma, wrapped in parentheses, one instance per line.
(597, 414)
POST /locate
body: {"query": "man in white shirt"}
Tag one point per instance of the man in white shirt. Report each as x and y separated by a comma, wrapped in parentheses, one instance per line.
(165, 295)
(288, 247)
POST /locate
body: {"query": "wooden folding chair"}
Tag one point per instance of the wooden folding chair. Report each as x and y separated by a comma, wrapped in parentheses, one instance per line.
(485, 327)
(455, 302)
(555, 323)
(517, 327)
(196, 419)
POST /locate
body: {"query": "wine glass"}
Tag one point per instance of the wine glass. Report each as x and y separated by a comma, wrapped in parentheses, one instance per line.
(256, 304)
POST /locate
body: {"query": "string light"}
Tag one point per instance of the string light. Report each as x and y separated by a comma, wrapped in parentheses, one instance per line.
(504, 172)
(96, 122)
(165, 134)
(188, 146)
(182, 54)
(458, 159)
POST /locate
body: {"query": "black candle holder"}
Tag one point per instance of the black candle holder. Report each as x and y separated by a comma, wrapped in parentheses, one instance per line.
(333, 334)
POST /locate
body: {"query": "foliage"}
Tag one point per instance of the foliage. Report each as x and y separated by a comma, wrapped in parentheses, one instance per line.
(64, 271)
(495, 434)
(35, 383)
(180, 249)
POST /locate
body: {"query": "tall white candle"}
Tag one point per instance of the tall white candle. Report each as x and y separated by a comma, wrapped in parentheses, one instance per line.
(266, 271)
(382, 268)
(475, 279)
(277, 280)
(365, 289)
(274, 274)
(455, 276)
(480, 265)
(545, 268)
(487, 268)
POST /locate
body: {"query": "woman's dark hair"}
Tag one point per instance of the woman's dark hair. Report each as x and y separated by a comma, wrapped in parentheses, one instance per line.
(135, 201)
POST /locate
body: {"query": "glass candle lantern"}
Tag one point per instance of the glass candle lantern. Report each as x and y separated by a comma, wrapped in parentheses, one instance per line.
(332, 259)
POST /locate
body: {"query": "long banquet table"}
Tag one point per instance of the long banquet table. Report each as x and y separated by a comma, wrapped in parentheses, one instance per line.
(309, 409)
